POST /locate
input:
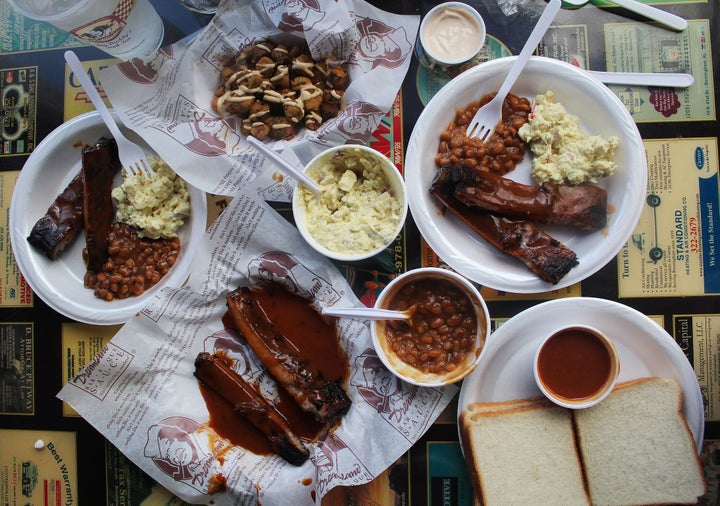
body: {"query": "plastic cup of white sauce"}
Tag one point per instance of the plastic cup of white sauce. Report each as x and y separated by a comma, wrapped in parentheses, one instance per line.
(451, 33)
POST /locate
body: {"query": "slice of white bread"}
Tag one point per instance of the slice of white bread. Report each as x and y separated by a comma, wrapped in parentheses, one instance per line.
(637, 448)
(522, 452)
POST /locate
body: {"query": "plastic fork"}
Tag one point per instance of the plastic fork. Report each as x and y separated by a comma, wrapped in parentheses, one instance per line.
(131, 155)
(485, 119)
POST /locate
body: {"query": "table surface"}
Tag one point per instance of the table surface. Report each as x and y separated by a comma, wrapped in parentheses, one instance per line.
(593, 37)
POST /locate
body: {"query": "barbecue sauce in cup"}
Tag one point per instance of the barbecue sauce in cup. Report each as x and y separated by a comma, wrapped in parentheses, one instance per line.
(576, 366)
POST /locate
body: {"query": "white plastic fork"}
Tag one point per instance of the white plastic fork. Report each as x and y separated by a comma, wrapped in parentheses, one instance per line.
(131, 155)
(485, 119)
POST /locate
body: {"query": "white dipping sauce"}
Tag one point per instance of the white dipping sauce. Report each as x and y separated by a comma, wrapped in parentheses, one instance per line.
(452, 34)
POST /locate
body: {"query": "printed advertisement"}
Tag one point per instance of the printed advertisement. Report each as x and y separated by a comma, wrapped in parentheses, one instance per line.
(38, 467)
(699, 337)
(640, 47)
(20, 34)
(76, 100)
(14, 290)
(673, 249)
(17, 393)
(18, 88)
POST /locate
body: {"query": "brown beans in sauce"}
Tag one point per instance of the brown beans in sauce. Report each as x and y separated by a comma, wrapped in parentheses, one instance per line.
(442, 330)
(501, 152)
(134, 265)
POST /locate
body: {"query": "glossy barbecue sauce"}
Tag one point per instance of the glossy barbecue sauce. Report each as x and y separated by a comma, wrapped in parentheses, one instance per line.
(574, 364)
(315, 338)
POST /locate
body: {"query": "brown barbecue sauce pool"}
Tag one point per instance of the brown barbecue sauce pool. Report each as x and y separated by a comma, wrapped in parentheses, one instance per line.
(316, 339)
(574, 364)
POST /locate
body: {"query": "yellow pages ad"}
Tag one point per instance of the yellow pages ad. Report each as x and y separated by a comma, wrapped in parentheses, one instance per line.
(673, 249)
(38, 467)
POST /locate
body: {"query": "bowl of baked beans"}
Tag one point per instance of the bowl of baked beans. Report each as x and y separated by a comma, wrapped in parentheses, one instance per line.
(443, 337)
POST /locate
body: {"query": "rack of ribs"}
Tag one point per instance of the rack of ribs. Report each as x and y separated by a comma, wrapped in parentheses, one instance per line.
(325, 399)
(100, 163)
(543, 255)
(582, 206)
(216, 375)
(59, 226)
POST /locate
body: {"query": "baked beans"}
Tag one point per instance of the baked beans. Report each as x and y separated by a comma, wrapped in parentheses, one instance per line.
(134, 264)
(500, 152)
(441, 331)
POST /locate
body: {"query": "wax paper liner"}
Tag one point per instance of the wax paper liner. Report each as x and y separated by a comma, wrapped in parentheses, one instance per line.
(167, 100)
(140, 393)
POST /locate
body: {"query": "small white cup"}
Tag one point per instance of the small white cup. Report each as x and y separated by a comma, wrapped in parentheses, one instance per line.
(456, 25)
(406, 371)
(570, 355)
(122, 29)
(300, 212)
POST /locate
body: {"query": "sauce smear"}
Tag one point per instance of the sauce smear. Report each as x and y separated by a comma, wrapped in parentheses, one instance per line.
(574, 364)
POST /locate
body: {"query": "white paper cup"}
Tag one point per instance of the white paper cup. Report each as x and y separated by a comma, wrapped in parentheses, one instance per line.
(404, 370)
(322, 244)
(576, 366)
(451, 33)
(125, 29)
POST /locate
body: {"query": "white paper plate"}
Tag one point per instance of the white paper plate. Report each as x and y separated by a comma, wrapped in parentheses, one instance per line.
(48, 170)
(505, 369)
(600, 113)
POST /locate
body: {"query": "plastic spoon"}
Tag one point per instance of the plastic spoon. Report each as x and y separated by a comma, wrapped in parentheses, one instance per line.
(287, 167)
(366, 313)
(670, 79)
(663, 17)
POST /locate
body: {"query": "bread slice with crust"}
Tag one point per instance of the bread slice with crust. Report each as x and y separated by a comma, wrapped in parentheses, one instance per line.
(522, 452)
(637, 448)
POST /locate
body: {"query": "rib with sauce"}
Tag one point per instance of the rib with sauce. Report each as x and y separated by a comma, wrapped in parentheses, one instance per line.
(59, 226)
(543, 255)
(100, 163)
(246, 401)
(582, 206)
(299, 374)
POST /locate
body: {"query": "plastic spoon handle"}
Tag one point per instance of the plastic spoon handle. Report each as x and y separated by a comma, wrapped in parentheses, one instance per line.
(551, 10)
(365, 313)
(92, 93)
(653, 13)
(677, 80)
(290, 169)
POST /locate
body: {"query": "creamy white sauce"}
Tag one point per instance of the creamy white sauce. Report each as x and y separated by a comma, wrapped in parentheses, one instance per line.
(452, 34)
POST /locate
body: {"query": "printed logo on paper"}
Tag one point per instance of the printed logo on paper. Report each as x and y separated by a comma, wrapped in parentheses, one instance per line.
(380, 45)
(294, 15)
(99, 376)
(107, 28)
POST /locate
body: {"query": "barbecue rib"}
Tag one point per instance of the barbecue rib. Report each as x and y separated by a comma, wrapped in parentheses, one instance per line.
(326, 400)
(215, 374)
(581, 206)
(545, 256)
(59, 226)
(99, 165)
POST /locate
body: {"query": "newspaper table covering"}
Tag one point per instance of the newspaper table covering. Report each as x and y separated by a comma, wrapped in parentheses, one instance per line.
(140, 392)
(167, 100)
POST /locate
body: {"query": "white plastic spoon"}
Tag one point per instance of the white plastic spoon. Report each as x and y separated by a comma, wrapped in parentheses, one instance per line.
(663, 17)
(669, 79)
(365, 313)
(290, 169)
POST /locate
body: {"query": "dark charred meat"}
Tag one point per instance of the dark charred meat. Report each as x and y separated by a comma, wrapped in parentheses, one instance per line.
(215, 374)
(545, 256)
(99, 165)
(59, 226)
(581, 206)
(325, 399)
